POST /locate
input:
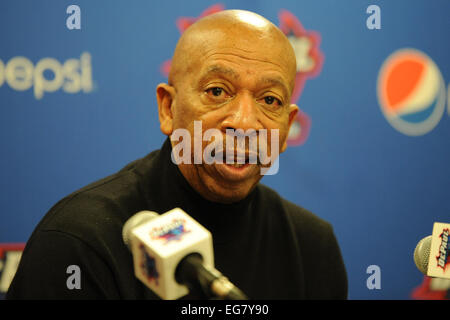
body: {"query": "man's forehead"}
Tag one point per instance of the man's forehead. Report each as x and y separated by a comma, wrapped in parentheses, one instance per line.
(239, 33)
(220, 69)
(237, 29)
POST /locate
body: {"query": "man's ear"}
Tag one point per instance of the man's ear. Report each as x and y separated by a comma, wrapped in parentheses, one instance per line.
(293, 110)
(165, 95)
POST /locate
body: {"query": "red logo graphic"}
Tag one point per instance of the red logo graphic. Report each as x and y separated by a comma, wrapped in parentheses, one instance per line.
(306, 47)
(308, 55)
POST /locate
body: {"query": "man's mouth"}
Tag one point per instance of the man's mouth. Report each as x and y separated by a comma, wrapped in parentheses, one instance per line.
(235, 159)
(235, 166)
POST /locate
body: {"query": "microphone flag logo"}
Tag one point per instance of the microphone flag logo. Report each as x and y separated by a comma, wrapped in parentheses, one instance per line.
(148, 265)
(442, 258)
(170, 232)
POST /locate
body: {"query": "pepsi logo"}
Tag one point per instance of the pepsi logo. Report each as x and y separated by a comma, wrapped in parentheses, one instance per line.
(411, 92)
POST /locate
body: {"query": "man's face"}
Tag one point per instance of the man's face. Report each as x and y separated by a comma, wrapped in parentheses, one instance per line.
(233, 84)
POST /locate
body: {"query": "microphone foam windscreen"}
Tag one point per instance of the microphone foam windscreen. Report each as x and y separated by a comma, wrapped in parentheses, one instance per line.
(422, 254)
(134, 221)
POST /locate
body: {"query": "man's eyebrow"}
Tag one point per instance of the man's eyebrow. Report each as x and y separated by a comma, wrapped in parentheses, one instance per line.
(217, 69)
(275, 81)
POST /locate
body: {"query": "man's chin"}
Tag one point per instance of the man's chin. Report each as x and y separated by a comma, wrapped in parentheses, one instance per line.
(224, 192)
(213, 185)
(227, 197)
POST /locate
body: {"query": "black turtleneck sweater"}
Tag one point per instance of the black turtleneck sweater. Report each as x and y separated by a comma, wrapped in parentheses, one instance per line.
(267, 246)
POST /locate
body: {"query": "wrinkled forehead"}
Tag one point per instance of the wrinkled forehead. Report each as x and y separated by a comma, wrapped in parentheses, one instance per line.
(265, 44)
(252, 37)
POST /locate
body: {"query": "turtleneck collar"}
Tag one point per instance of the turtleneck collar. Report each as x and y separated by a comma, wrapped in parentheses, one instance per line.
(166, 188)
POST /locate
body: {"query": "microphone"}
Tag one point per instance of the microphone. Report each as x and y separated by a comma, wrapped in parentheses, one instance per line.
(173, 255)
(422, 254)
(431, 254)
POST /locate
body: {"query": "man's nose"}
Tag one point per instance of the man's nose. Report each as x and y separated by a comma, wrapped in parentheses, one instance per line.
(242, 113)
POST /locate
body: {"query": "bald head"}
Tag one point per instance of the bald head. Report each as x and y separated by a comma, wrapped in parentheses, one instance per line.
(243, 32)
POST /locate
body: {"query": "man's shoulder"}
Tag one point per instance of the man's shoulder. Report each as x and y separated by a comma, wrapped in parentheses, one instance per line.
(99, 206)
(85, 229)
(300, 217)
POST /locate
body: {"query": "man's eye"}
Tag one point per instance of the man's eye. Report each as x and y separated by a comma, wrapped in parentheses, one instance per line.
(216, 91)
(272, 100)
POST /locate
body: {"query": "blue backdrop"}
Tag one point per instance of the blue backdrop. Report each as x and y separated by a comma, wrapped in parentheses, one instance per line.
(77, 105)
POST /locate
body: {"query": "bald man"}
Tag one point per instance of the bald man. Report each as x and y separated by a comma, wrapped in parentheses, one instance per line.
(231, 72)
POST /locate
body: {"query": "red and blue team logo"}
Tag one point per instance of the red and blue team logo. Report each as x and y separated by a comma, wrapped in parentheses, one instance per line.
(308, 55)
(411, 92)
(309, 65)
(170, 232)
(148, 265)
